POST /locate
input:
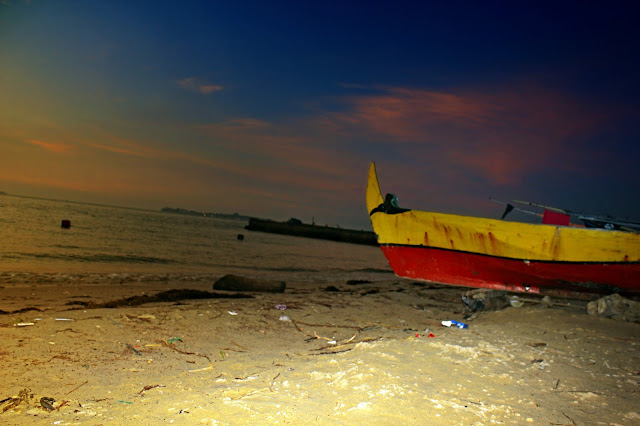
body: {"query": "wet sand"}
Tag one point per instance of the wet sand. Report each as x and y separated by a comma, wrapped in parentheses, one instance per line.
(361, 354)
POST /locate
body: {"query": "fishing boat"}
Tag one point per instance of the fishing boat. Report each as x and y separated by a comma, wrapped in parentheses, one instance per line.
(503, 255)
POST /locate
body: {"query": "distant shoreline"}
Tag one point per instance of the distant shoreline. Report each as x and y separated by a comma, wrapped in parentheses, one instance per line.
(235, 216)
(86, 203)
(163, 210)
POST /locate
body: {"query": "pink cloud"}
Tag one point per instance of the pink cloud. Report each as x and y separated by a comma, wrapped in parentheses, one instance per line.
(500, 134)
(208, 89)
(51, 146)
(195, 85)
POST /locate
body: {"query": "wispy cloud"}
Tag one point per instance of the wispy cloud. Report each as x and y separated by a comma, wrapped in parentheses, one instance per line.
(51, 146)
(501, 134)
(195, 85)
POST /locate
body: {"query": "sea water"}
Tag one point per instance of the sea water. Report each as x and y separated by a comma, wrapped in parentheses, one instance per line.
(108, 243)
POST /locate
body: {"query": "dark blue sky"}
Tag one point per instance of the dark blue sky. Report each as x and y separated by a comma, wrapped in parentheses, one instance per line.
(275, 109)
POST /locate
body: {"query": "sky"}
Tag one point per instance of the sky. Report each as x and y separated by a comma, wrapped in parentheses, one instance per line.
(275, 109)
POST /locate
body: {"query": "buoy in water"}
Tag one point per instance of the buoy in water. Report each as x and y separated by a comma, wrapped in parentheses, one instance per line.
(66, 224)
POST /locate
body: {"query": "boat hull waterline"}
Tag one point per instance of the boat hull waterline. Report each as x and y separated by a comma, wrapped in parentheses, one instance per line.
(500, 255)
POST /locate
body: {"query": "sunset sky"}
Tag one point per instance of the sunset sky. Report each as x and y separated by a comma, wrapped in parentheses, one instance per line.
(276, 108)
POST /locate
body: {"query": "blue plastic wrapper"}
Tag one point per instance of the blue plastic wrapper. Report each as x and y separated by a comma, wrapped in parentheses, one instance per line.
(459, 324)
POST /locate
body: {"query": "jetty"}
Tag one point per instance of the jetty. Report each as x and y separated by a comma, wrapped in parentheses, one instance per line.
(296, 228)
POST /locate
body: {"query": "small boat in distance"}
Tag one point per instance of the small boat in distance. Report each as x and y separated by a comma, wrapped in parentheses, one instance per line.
(499, 255)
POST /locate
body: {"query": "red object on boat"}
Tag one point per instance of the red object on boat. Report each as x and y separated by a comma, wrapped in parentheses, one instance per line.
(554, 218)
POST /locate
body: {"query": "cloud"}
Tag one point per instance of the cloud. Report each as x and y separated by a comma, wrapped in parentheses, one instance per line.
(500, 133)
(50, 146)
(194, 85)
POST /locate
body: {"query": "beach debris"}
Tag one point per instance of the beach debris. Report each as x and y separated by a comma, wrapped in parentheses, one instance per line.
(238, 283)
(23, 324)
(476, 301)
(23, 396)
(615, 307)
(332, 288)
(139, 318)
(273, 382)
(427, 333)
(356, 282)
(62, 404)
(202, 369)
(328, 339)
(165, 296)
(516, 302)
(20, 311)
(174, 339)
(232, 312)
(172, 346)
(149, 387)
(47, 403)
(280, 306)
(76, 388)
(133, 349)
(64, 319)
(454, 323)
(285, 318)
(65, 224)
(243, 348)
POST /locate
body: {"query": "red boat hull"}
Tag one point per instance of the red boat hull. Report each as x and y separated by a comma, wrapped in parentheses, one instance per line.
(475, 270)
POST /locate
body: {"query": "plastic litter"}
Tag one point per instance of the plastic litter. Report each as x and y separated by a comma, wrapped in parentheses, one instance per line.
(455, 323)
(427, 333)
(280, 306)
(47, 403)
(285, 318)
(516, 302)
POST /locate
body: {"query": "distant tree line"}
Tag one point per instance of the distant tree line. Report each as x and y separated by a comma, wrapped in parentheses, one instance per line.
(204, 214)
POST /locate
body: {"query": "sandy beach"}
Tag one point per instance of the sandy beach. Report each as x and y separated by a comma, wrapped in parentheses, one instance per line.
(373, 353)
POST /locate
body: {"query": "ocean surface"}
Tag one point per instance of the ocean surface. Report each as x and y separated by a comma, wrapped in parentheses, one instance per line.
(114, 244)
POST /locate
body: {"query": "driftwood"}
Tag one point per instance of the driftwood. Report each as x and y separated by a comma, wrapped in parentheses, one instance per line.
(238, 283)
(165, 296)
(19, 311)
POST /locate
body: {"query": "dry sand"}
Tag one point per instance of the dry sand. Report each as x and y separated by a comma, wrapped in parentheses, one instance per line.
(235, 361)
